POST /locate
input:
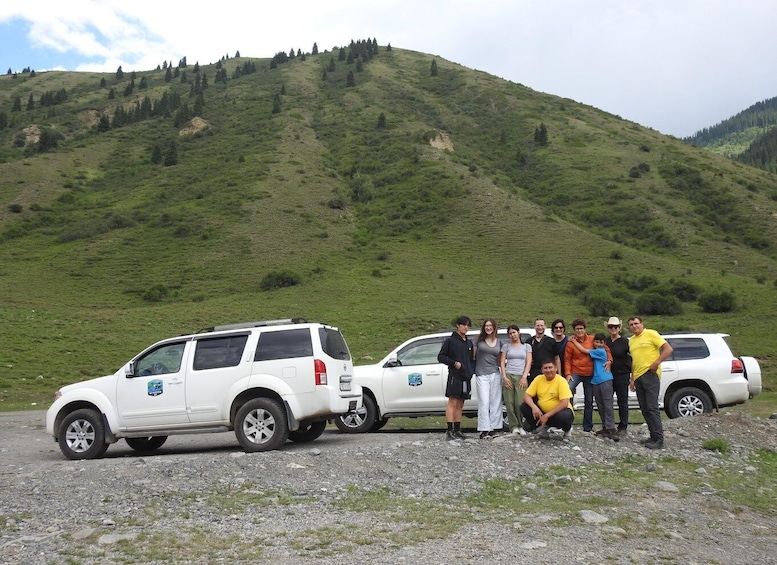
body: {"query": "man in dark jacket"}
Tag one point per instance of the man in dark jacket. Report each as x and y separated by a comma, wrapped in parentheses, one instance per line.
(457, 353)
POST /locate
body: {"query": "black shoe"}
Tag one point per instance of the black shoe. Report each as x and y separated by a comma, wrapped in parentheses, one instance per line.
(655, 445)
(543, 433)
(485, 435)
(459, 434)
(450, 435)
(603, 432)
(492, 434)
(646, 441)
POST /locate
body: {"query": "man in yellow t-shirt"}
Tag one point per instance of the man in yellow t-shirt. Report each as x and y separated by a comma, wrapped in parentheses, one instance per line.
(547, 403)
(648, 349)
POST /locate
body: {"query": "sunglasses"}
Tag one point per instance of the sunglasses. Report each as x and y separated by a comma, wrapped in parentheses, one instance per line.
(612, 326)
(558, 327)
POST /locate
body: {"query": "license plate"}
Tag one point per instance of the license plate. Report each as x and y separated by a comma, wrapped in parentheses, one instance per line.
(345, 386)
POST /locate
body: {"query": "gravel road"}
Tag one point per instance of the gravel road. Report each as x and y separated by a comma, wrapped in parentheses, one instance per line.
(394, 497)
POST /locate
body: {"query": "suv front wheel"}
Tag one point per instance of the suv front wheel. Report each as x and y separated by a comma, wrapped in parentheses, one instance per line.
(260, 425)
(688, 401)
(82, 435)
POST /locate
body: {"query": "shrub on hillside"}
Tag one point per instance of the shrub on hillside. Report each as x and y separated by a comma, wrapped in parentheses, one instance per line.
(655, 303)
(280, 279)
(717, 301)
(155, 293)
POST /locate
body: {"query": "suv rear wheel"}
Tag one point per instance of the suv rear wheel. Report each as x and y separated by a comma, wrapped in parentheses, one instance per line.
(688, 401)
(260, 425)
(146, 444)
(82, 435)
(359, 421)
(308, 432)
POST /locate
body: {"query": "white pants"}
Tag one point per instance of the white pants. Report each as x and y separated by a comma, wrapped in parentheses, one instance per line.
(489, 389)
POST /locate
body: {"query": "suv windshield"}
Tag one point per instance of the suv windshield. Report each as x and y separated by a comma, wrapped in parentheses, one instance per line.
(333, 344)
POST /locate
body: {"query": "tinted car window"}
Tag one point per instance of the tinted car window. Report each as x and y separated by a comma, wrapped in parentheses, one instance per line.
(688, 348)
(284, 344)
(333, 344)
(424, 353)
(219, 352)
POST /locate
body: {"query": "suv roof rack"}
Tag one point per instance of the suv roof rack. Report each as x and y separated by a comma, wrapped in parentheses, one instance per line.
(258, 324)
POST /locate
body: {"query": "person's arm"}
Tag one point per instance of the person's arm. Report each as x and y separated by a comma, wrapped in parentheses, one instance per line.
(666, 351)
(568, 358)
(503, 369)
(524, 382)
(528, 399)
(579, 346)
(444, 355)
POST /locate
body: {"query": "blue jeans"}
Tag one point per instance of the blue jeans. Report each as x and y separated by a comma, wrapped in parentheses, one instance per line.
(647, 387)
(588, 397)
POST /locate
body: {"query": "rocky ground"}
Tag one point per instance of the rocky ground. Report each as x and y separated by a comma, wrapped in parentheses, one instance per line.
(396, 497)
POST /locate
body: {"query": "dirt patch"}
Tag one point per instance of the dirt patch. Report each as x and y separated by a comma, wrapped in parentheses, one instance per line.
(441, 141)
(196, 124)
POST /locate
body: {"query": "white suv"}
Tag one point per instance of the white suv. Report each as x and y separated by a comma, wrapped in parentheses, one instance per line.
(408, 382)
(701, 374)
(268, 381)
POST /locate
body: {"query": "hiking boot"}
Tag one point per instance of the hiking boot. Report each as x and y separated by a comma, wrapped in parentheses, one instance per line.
(612, 434)
(492, 434)
(459, 434)
(655, 445)
(602, 432)
(543, 433)
(485, 435)
(646, 441)
(450, 436)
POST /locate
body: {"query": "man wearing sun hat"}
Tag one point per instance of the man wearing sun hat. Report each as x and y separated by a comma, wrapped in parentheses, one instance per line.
(621, 369)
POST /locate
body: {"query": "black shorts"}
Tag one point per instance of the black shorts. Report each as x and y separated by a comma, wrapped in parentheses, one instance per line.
(457, 388)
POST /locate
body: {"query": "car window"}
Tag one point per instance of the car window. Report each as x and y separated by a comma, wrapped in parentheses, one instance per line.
(160, 361)
(424, 353)
(284, 344)
(219, 352)
(333, 344)
(688, 348)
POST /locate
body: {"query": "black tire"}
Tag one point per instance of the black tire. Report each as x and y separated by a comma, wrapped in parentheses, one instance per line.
(146, 444)
(308, 432)
(379, 424)
(260, 425)
(358, 421)
(688, 401)
(82, 435)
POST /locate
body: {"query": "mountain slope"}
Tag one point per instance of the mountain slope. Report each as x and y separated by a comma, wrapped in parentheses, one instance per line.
(394, 226)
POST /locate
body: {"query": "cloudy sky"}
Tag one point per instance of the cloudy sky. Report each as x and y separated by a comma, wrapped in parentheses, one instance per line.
(674, 65)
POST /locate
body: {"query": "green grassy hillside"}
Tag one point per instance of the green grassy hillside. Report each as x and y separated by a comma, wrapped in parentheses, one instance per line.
(450, 203)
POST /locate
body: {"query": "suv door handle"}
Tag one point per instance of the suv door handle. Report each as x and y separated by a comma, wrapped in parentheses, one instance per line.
(433, 373)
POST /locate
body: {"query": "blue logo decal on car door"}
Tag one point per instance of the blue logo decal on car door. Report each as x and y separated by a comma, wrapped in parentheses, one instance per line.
(415, 379)
(155, 387)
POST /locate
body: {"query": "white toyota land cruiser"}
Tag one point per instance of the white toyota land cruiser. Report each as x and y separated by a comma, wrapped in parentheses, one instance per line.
(268, 381)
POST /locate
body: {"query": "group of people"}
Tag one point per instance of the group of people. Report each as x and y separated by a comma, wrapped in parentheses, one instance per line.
(509, 373)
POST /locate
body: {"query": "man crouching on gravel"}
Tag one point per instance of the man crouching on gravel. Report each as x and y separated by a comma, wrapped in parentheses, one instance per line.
(546, 403)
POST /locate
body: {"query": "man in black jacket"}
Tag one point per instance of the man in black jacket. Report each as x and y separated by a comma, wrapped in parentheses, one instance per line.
(457, 353)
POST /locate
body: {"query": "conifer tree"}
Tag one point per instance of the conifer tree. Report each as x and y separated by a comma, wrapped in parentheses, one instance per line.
(104, 124)
(332, 67)
(433, 68)
(350, 80)
(119, 74)
(17, 104)
(382, 121)
(30, 103)
(342, 55)
(171, 156)
(314, 51)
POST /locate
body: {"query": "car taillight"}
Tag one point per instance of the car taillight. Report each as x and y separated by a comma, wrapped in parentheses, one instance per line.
(320, 367)
(737, 366)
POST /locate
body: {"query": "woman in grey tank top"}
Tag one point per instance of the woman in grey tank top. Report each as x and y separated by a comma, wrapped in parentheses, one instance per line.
(515, 367)
(488, 353)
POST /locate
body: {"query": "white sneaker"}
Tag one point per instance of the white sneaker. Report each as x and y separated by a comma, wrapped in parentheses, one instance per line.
(568, 434)
(515, 431)
(521, 432)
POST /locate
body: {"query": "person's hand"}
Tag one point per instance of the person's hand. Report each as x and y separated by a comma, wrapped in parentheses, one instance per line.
(607, 366)
(456, 365)
(537, 413)
(508, 383)
(632, 387)
(543, 420)
(523, 383)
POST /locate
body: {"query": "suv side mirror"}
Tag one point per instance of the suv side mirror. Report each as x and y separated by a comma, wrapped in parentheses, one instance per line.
(393, 362)
(130, 373)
